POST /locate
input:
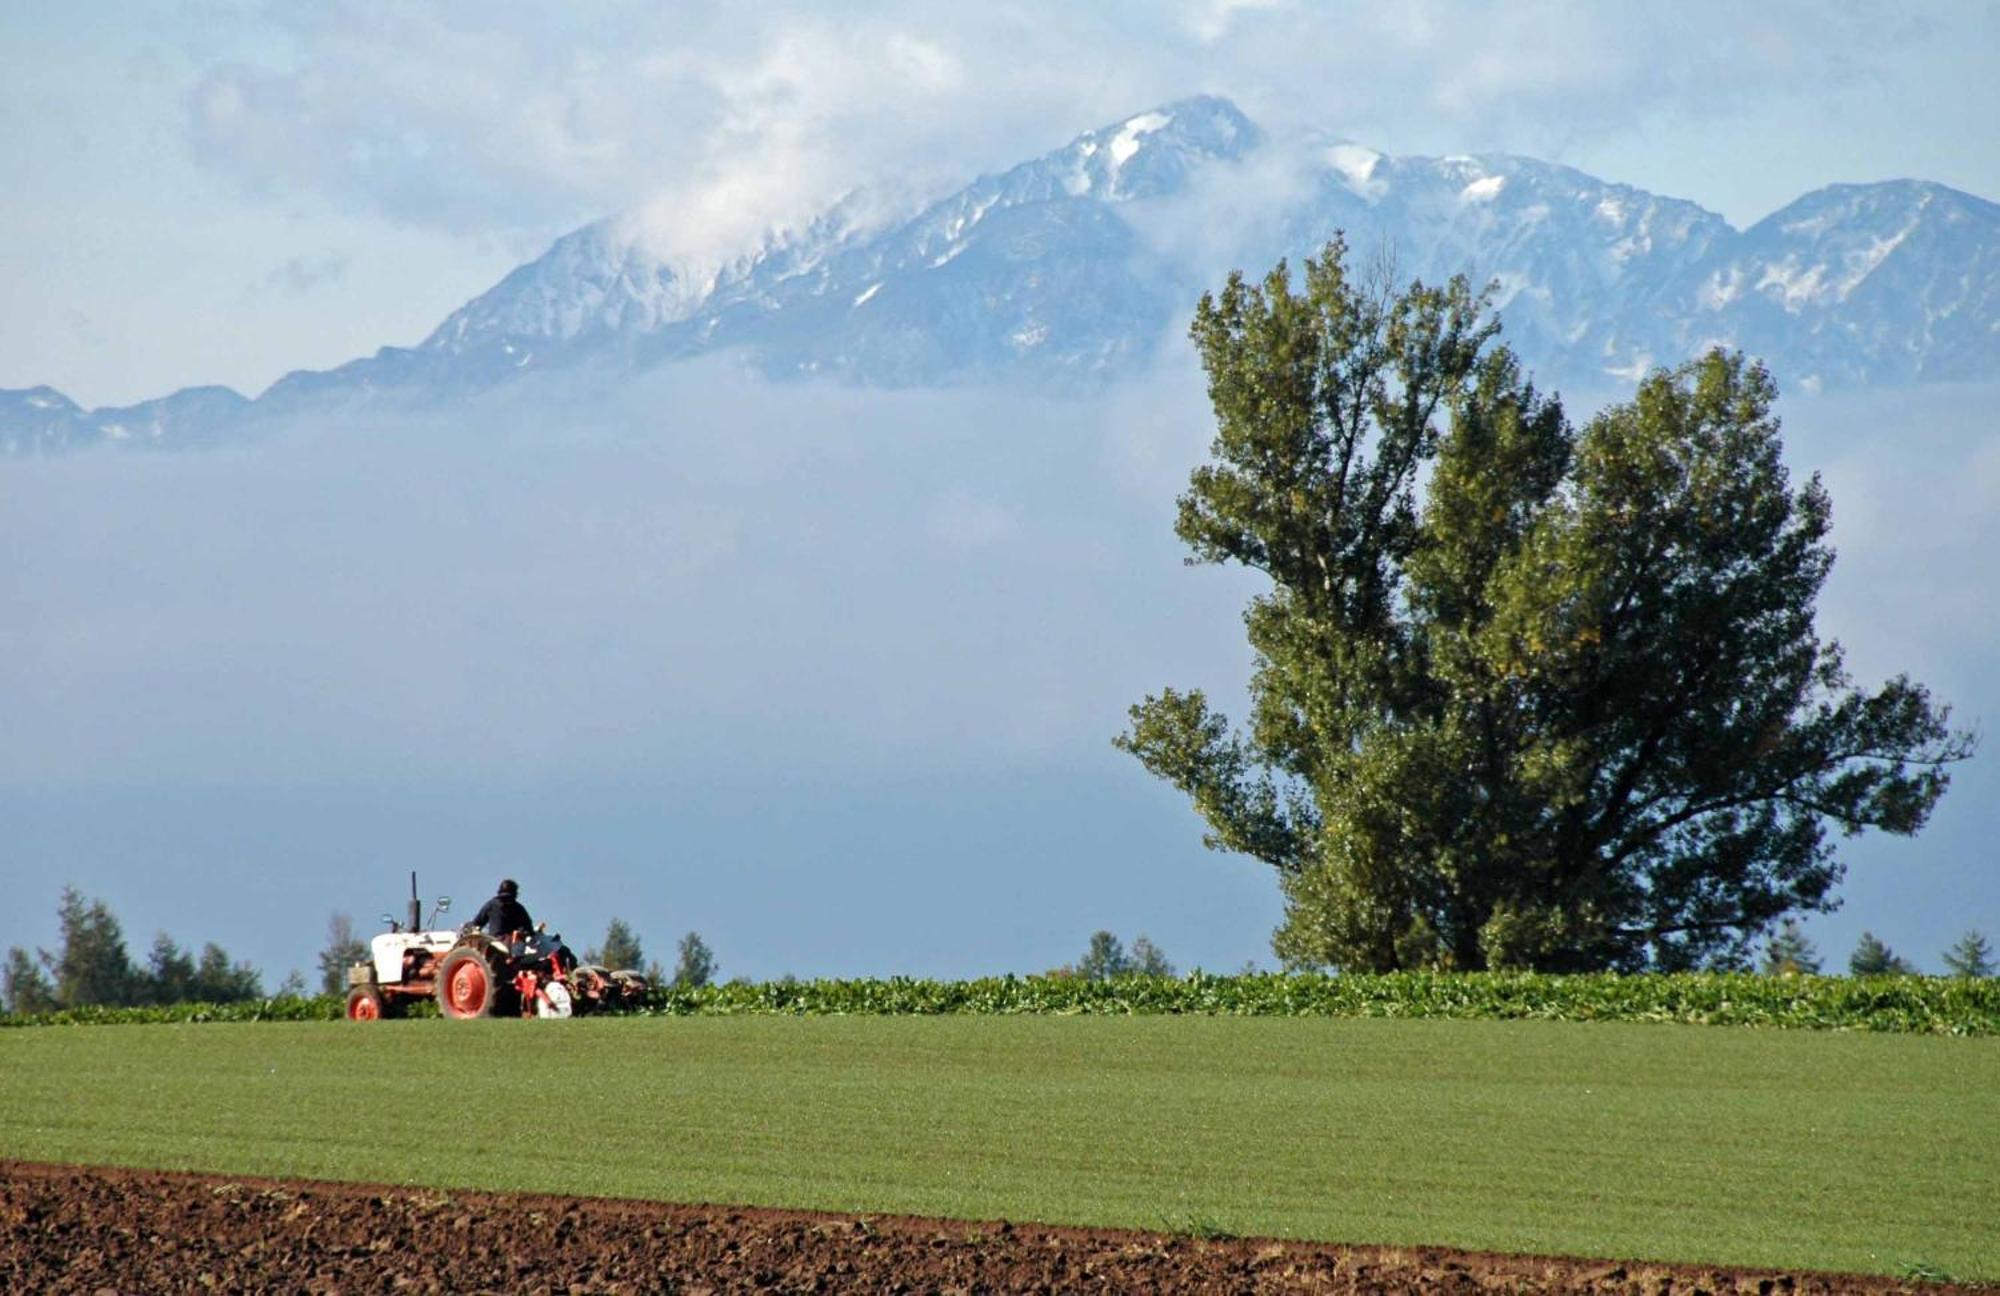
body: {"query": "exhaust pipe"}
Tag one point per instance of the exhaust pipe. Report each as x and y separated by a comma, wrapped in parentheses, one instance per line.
(416, 905)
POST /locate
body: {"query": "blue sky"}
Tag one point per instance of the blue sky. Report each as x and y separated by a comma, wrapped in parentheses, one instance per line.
(827, 675)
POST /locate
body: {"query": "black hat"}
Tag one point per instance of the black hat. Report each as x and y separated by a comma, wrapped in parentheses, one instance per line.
(508, 886)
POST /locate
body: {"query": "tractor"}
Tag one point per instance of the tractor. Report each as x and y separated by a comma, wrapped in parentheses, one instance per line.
(472, 974)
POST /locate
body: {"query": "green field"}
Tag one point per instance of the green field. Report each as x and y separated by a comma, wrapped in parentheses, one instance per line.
(1820, 1149)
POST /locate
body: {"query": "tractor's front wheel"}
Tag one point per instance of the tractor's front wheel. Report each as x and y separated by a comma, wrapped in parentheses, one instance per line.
(364, 1004)
(465, 985)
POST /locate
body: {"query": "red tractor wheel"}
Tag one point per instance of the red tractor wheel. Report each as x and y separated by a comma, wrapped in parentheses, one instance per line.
(364, 1005)
(465, 985)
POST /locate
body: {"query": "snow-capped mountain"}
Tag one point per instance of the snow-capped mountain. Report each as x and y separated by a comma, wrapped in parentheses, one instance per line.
(1581, 268)
(1083, 264)
(1029, 272)
(1857, 285)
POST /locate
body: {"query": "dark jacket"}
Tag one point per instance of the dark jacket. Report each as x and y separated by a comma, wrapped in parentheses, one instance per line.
(503, 914)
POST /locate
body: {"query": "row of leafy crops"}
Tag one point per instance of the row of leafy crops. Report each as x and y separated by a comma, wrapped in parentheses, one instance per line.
(1932, 1005)
(1927, 1005)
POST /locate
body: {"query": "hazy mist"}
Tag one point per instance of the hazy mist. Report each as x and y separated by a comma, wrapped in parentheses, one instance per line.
(829, 675)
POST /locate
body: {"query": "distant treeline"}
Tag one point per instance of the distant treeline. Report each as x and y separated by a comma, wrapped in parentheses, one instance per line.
(91, 967)
(92, 978)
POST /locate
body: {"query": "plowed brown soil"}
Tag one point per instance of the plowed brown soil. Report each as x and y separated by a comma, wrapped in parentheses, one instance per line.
(74, 1229)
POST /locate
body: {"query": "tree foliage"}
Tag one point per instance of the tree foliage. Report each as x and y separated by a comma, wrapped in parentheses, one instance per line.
(1103, 959)
(92, 965)
(1971, 956)
(696, 964)
(26, 989)
(1106, 959)
(1790, 953)
(1148, 959)
(1872, 958)
(343, 950)
(1523, 695)
(620, 950)
(217, 980)
(92, 968)
(170, 972)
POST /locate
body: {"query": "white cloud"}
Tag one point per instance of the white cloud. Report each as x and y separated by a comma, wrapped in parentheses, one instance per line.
(721, 121)
(300, 275)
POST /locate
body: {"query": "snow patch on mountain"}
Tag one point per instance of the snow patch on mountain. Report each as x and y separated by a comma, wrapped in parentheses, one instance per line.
(1125, 145)
(1484, 189)
(1356, 165)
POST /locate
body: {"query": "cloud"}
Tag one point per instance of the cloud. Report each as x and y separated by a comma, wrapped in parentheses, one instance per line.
(719, 121)
(300, 275)
(700, 572)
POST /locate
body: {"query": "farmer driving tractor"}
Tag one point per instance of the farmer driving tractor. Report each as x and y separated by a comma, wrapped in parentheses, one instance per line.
(499, 964)
(504, 913)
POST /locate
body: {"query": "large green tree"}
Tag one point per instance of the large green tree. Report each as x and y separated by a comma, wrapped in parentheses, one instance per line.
(1523, 695)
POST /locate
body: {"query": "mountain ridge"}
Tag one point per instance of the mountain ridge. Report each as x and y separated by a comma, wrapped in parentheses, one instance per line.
(1056, 273)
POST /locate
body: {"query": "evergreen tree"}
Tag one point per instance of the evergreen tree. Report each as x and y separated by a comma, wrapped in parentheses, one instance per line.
(621, 948)
(1970, 957)
(343, 950)
(217, 980)
(26, 989)
(92, 967)
(170, 972)
(1790, 952)
(1104, 960)
(1872, 958)
(1147, 959)
(1523, 695)
(696, 965)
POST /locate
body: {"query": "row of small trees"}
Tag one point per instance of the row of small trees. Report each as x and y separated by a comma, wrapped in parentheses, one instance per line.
(1106, 958)
(92, 966)
(694, 963)
(1790, 952)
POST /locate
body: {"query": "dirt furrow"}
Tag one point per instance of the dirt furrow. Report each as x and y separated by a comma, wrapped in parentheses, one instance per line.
(83, 1229)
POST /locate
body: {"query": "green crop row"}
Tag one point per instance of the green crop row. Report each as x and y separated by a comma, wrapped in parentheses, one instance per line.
(1926, 1005)
(1910, 1004)
(288, 1008)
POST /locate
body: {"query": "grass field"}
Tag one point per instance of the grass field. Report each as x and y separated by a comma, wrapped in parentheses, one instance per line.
(1827, 1150)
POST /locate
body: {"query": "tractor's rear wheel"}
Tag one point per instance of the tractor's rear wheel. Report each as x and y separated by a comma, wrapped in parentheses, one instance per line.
(466, 986)
(365, 1004)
